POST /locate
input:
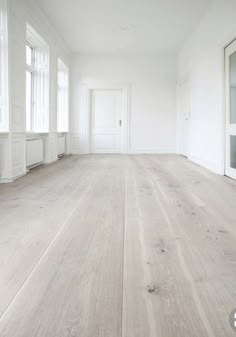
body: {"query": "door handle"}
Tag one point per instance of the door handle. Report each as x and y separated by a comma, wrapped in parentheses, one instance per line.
(120, 122)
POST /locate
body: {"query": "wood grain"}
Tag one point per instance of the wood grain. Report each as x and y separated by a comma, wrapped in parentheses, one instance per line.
(124, 246)
(181, 282)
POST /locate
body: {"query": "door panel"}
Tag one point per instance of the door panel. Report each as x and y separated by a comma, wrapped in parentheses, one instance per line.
(230, 91)
(105, 124)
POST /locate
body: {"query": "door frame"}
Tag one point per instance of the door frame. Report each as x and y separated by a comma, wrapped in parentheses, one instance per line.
(87, 112)
(226, 149)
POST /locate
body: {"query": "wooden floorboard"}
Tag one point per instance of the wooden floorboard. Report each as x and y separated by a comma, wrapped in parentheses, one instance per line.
(33, 209)
(185, 255)
(118, 246)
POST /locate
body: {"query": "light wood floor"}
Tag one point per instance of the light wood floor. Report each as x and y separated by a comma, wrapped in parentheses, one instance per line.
(118, 246)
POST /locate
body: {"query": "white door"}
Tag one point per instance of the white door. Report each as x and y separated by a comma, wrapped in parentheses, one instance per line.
(184, 116)
(230, 83)
(106, 121)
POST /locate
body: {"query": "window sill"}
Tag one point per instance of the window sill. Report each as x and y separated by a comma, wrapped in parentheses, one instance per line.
(33, 135)
(36, 132)
(4, 134)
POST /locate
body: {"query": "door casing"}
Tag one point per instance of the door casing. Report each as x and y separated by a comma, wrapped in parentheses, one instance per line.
(86, 107)
(229, 129)
(106, 137)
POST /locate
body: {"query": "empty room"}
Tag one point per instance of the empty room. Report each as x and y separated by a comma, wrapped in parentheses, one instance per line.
(117, 168)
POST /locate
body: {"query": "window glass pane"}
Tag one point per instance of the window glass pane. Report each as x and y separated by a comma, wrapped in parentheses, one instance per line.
(29, 55)
(233, 152)
(233, 88)
(3, 68)
(28, 100)
(62, 99)
(37, 52)
(1, 116)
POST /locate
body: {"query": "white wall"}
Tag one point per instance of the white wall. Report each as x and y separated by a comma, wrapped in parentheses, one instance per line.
(202, 58)
(152, 81)
(14, 143)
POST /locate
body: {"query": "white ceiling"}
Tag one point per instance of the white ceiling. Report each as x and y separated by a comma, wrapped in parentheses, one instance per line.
(124, 26)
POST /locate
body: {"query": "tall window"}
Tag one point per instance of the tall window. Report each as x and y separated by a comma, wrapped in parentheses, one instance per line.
(30, 76)
(4, 124)
(62, 97)
(37, 83)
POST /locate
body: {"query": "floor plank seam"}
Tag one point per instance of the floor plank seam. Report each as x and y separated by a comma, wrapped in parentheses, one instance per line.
(122, 247)
(27, 279)
(123, 260)
(186, 271)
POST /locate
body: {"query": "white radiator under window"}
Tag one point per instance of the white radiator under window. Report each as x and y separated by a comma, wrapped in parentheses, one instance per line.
(34, 152)
(61, 145)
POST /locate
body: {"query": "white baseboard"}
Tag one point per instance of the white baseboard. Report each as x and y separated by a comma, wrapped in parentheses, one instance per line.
(6, 181)
(152, 151)
(212, 166)
(10, 180)
(133, 151)
(50, 161)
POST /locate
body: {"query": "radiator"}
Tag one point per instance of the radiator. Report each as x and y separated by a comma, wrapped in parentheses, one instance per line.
(61, 145)
(34, 152)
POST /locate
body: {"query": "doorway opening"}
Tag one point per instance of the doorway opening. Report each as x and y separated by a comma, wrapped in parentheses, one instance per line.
(230, 111)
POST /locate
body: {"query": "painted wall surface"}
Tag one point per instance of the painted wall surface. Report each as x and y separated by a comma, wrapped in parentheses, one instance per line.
(152, 81)
(14, 143)
(202, 59)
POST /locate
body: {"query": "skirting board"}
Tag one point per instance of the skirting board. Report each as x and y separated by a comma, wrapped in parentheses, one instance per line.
(10, 180)
(214, 167)
(133, 152)
(152, 151)
(50, 162)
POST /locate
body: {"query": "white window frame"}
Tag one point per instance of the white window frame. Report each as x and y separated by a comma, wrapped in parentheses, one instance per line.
(4, 104)
(62, 97)
(31, 69)
(40, 84)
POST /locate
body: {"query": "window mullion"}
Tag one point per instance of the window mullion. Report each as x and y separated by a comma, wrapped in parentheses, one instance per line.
(39, 68)
(62, 97)
(4, 117)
